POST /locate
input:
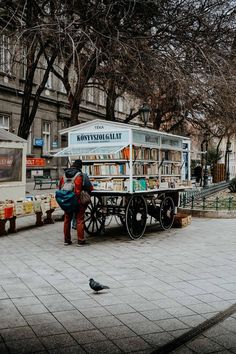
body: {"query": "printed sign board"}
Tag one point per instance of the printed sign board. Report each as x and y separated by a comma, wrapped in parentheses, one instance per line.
(97, 138)
(35, 162)
(38, 142)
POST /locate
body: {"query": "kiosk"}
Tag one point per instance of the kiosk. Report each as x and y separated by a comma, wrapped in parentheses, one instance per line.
(135, 171)
(12, 166)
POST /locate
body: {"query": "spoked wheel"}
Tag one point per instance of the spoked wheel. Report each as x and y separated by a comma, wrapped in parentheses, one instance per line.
(136, 216)
(94, 217)
(109, 201)
(167, 212)
(120, 217)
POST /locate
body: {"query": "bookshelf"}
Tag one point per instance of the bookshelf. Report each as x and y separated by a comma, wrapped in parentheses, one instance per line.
(126, 158)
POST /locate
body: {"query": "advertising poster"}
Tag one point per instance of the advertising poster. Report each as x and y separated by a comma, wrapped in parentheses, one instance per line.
(10, 165)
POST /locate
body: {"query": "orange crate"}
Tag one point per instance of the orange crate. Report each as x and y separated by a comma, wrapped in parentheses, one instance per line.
(8, 212)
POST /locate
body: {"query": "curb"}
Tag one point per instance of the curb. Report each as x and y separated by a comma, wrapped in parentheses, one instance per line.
(213, 214)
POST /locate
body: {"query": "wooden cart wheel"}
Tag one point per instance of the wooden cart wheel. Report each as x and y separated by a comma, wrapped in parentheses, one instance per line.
(167, 212)
(120, 218)
(108, 201)
(94, 217)
(136, 216)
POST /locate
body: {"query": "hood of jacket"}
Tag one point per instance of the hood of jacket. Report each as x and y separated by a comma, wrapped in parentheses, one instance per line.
(71, 172)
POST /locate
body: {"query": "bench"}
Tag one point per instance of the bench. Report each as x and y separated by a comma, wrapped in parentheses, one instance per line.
(41, 180)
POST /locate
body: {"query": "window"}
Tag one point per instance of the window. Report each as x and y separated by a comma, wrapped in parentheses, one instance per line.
(4, 54)
(91, 93)
(49, 83)
(62, 87)
(24, 62)
(46, 137)
(120, 104)
(5, 122)
(102, 98)
(85, 94)
(60, 69)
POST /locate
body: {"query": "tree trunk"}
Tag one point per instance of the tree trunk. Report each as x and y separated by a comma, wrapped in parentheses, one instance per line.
(111, 101)
(27, 115)
(24, 126)
(75, 109)
(157, 119)
(85, 69)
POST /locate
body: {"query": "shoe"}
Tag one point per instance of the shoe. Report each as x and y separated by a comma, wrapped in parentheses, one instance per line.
(67, 243)
(82, 243)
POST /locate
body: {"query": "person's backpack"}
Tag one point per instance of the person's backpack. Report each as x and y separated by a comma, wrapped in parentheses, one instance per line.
(66, 196)
(85, 197)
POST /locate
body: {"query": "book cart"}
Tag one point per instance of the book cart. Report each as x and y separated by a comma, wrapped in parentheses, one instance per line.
(136, 172)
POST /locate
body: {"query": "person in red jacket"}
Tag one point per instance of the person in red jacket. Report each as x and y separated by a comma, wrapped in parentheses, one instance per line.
(76, 169)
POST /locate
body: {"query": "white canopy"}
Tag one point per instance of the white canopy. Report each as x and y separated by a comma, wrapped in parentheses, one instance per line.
(76, 151)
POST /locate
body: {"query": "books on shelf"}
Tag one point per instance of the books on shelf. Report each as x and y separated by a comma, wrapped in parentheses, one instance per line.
(170, 169)
(141, 184)
(138, 153)
(145, 168)
(171, 155)
(107, 169)
(112, 172)
(153, 183)
(144, 153)
(108, 184)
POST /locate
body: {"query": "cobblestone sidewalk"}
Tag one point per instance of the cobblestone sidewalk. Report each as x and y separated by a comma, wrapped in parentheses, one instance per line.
(160, 287)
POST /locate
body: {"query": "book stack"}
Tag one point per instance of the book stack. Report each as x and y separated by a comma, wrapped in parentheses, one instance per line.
(140, 184)
(153, 183)
(118, 184)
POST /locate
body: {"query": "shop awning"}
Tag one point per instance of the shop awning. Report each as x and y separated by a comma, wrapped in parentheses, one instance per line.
(76, 151)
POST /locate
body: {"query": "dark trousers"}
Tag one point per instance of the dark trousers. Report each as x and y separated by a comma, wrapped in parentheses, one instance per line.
(79, 215)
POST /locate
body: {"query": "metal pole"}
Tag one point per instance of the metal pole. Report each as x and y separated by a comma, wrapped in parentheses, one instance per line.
(228, 151)
(227, 159)
(205, 176)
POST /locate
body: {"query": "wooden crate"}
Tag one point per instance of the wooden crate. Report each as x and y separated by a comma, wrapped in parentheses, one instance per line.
(182, 220)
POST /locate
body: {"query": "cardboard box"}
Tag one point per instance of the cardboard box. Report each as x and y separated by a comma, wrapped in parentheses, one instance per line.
(182, 220)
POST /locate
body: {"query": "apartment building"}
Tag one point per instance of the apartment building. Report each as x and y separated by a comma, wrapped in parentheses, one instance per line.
(52, 115)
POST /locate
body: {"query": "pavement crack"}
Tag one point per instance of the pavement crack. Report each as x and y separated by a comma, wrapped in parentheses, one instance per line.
(196, 331)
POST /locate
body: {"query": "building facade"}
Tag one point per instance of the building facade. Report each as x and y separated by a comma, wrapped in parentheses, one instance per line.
(53, 113)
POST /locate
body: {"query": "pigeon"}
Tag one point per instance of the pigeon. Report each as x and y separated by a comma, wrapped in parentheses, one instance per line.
(97, 286)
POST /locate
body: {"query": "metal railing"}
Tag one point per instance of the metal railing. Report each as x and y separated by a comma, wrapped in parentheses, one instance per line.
(211, 204)
(187, 197)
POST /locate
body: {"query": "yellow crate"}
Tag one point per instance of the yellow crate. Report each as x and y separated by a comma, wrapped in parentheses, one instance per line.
(28, 207)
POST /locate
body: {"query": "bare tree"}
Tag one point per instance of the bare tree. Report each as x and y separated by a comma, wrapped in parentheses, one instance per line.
(185, 55)
(28, 25)
(101, 33)
(164, 52)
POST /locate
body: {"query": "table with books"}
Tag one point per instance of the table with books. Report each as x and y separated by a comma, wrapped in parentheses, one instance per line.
(137, 173)
(41, 206)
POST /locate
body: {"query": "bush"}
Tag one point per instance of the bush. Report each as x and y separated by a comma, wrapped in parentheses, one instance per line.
(232, 185)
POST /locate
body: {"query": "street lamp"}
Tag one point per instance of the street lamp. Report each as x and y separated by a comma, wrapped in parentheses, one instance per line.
(228, 151)
(205, 174)
(144, 112)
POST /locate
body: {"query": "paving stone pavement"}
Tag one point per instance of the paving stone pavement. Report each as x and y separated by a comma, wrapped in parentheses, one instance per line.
(161, 286)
